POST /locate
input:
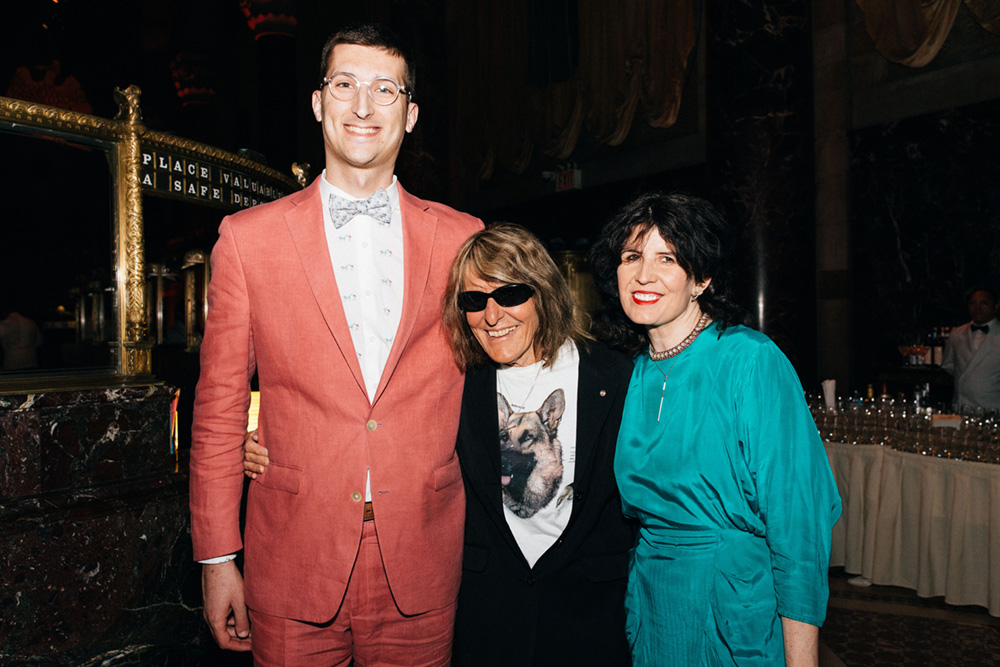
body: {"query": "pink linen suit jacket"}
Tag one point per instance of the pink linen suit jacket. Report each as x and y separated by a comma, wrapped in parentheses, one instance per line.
(274, 306)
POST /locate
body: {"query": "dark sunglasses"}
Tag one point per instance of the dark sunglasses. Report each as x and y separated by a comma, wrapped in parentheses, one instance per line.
(507, 296)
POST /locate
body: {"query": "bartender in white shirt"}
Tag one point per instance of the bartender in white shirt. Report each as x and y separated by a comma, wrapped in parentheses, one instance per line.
(972, 354)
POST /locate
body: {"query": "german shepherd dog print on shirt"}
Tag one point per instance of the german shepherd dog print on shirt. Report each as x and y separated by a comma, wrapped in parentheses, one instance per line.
(531, 465)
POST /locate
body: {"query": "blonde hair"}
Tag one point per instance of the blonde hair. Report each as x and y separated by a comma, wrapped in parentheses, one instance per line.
(508, 253)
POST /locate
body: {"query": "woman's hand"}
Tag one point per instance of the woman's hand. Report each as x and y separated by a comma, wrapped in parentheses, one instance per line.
(255, 459)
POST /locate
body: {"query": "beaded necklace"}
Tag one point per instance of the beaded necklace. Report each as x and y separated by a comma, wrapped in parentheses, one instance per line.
(703, 322)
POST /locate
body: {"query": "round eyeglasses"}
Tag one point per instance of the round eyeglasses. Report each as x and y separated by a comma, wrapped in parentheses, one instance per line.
(382, 91)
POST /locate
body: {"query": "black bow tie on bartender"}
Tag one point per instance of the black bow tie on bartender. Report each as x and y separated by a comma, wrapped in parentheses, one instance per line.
(985, 328)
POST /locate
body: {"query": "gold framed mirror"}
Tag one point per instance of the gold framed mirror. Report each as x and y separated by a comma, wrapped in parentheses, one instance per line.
(81, 187)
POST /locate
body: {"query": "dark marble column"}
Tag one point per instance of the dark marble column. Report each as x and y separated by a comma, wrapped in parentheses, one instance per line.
(760, 147)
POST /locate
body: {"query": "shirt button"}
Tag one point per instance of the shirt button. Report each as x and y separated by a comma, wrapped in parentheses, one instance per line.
(364, 245)
(368, 292)
(356, 497)
(372, 425)
(371, 339)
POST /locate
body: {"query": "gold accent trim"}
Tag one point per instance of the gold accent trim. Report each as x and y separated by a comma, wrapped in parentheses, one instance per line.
(190, 148)
(131, 264)
(53, 118)
(125, 137)
(192, 260)
(129, 119)
(190, 310)
(76, 382)
(301, 171)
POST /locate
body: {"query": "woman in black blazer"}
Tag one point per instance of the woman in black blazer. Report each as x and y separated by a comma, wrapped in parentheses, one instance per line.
(546, 545)
(568, 608)
(554, 598)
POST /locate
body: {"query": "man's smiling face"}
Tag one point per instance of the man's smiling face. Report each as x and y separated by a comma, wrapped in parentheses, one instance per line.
(359, 134)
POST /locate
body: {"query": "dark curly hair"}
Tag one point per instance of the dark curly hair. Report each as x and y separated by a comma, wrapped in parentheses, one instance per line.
(702, 241)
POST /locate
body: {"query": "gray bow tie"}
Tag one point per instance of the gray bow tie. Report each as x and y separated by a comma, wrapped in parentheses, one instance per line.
(377, 206)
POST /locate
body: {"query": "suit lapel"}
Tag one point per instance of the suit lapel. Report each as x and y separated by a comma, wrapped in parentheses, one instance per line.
(992, 338)
(305, 224)
(419, 227)
(480, 401)
(985, 348)
(596, 396)
(481, 463)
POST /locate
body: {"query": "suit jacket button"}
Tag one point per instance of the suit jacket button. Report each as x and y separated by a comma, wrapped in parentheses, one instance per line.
(357, 497)
(531, 581)
(372, 425)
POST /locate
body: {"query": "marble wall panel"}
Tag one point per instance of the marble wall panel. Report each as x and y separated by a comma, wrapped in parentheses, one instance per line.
(95, 552)
(925, 225)
(58, 440)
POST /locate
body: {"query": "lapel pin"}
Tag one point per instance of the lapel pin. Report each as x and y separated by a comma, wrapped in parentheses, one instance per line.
(603, 393)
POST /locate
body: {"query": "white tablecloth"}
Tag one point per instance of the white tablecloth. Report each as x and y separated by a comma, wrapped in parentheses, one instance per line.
(920, 522)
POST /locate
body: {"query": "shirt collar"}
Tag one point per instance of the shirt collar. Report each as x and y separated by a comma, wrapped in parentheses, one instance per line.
(326, 189)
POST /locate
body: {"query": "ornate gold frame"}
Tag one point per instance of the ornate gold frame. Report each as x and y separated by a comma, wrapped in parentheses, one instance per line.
(124, 137)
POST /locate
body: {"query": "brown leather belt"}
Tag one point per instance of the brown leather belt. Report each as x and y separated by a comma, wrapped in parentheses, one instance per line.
(369, 512)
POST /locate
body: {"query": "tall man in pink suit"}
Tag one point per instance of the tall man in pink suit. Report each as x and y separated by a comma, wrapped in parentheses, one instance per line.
(333, 295)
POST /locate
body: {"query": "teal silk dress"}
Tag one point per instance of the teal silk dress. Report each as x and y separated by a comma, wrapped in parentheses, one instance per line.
(735, 499)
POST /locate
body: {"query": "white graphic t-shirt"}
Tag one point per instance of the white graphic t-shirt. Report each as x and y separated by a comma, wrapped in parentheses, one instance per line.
(537, 411)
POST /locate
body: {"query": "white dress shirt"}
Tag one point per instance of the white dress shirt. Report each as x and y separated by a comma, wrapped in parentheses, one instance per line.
(367, 258)
(977, 338)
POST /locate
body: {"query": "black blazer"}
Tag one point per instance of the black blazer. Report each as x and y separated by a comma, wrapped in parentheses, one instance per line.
(568, 609)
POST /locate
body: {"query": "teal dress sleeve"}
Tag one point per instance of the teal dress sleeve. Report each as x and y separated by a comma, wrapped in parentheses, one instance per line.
(797, 498)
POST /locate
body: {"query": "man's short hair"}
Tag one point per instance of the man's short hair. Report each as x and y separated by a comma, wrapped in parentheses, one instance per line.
(981, 288)
(376, 36)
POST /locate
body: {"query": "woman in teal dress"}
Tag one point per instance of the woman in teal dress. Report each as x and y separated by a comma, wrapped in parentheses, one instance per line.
(718, 456)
